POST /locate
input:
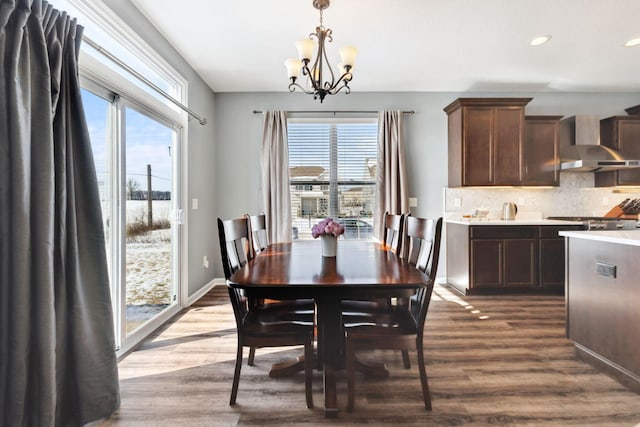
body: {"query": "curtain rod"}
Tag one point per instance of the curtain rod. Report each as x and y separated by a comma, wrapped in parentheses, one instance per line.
(334, 112)
(143, 79)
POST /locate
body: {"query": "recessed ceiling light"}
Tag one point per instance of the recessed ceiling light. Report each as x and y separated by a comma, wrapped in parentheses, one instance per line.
(633, 42)
(537, 41)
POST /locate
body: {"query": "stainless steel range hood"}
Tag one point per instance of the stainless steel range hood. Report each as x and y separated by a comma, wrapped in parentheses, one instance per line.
(580, 149)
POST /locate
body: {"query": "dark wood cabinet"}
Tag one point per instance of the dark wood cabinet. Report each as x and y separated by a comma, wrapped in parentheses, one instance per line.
(508, 133)
(541, 159)
(633, 111)
(552, 256)
(552, 263)
(503, 256)
(477, 146)
(622, 133)
(506, 259)
(521, 263)
(486, 141)
(487, 263)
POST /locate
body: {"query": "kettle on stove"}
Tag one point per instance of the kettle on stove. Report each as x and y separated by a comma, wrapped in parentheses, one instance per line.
(509, 210)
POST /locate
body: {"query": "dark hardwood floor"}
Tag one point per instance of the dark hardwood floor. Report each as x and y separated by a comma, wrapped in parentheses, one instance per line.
(499, 360)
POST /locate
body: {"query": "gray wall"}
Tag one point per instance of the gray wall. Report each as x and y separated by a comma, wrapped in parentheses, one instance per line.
(201, 154)
(223, 156)
(238, 134)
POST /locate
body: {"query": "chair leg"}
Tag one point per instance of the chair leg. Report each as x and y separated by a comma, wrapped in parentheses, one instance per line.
(252, 355)
(308, 373)
(405, 359)
(236, 375)
(351, 376)
(426, 395)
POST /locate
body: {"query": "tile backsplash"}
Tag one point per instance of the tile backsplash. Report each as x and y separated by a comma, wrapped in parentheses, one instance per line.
(576, 196)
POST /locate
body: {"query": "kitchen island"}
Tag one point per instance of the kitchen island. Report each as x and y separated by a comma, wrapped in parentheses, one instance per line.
(493, 256)
(603, 300)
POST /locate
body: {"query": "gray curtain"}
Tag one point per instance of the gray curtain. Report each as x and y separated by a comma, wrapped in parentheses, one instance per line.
(274, 163)
(57, 360)
(392, 193)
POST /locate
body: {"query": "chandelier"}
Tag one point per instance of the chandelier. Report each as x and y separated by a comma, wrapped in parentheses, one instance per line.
(316, 84)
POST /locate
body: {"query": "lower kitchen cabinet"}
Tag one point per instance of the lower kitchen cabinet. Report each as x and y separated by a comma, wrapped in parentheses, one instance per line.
(487, 263)
(552, 257)
(503, 256)
(520, 263)
(506, 259)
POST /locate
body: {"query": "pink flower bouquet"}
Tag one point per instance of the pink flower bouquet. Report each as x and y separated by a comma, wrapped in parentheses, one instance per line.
(327, 227)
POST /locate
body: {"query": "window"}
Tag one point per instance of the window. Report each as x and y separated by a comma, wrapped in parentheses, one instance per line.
(138, 147)
(332, 172)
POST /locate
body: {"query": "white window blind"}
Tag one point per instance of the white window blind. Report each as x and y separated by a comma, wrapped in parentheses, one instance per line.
(332, 169)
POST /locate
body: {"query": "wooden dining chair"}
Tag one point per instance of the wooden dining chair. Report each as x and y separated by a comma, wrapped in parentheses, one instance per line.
(400, 327)
(258, 229)
(392, 231)
(259, 327)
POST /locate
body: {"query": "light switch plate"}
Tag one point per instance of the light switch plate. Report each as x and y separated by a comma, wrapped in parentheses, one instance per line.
(413, 202)
(194, 204)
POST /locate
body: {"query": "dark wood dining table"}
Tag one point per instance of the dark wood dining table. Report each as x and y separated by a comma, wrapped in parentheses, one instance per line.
(361, 270)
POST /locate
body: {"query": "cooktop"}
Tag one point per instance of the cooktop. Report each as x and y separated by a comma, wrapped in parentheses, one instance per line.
(600, 222)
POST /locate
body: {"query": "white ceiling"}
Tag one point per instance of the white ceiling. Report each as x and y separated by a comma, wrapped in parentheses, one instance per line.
(412, 45)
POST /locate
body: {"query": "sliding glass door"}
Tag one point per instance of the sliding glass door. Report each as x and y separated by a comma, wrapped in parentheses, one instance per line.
(149, 285)
(135, 154)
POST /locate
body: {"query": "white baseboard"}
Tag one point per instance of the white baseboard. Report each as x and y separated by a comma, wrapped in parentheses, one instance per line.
(203, 290)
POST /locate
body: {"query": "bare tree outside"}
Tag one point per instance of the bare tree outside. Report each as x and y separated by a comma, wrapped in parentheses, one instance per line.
(132, 187)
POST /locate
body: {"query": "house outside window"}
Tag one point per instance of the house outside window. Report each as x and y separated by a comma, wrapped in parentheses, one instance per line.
(332, 172)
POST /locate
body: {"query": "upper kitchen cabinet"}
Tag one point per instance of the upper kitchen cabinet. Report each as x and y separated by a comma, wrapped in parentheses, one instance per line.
(541, 160)
(621, 133)
(635, 110)
(486, 141)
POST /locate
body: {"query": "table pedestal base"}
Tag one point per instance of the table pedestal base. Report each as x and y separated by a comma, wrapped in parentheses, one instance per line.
(287, 368)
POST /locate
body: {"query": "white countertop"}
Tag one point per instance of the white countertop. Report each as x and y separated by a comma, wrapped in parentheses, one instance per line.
(623, 237)
(516, 221)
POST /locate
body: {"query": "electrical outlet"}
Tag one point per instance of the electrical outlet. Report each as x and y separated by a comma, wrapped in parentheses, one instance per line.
(413, 202)
(606, 270)
(457, 202)
(605, 200)
(205, 262)
(522, 201)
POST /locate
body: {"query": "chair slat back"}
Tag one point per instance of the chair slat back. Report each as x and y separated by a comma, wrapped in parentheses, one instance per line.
(234, 244)
(234, 250)
(259, 237)
(392, 236)
(422, 249)
(422, 244)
